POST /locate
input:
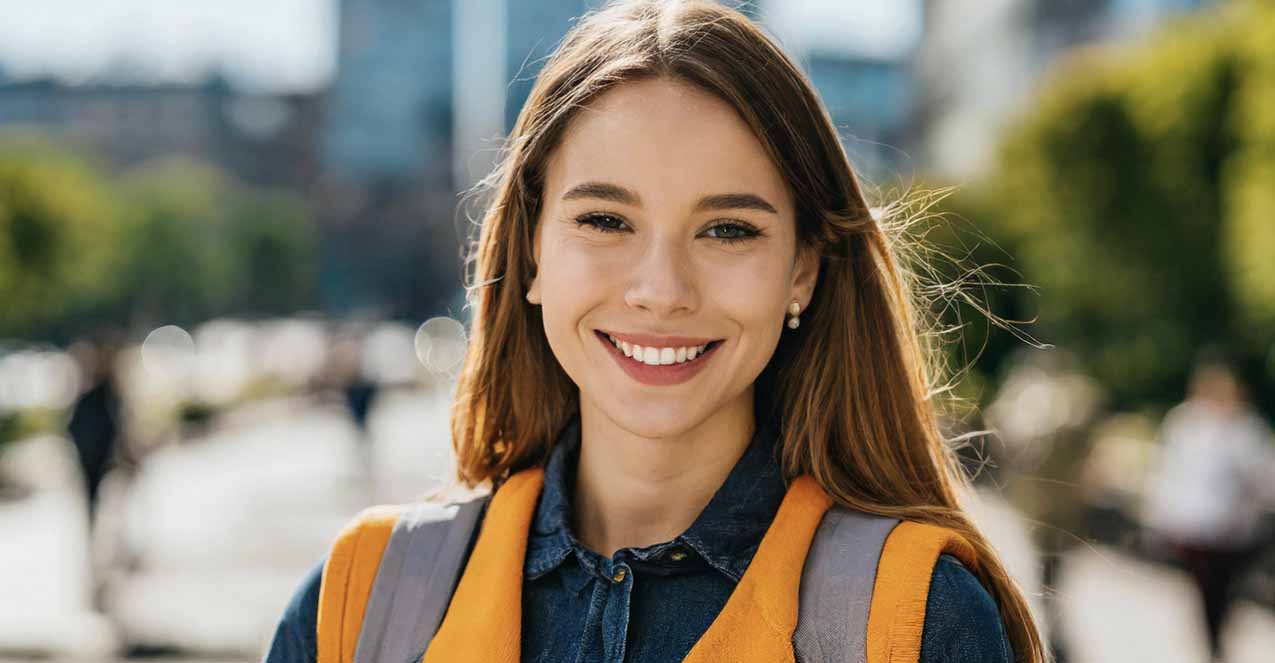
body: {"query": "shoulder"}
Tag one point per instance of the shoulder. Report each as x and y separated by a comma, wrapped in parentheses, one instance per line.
(295, 635)
(962, 622)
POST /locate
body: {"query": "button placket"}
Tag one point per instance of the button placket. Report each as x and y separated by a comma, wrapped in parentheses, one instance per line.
(621, 572)
(616, 616)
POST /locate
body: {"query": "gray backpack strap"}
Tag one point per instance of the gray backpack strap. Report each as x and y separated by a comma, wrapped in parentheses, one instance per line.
(414, 583)
(836, 587)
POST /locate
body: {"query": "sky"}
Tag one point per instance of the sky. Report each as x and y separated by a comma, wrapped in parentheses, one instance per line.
(290, 45)
(285, 45)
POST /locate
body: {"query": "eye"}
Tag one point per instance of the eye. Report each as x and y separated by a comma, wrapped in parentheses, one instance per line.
(734, 232)
(728, 232)
(606, 223)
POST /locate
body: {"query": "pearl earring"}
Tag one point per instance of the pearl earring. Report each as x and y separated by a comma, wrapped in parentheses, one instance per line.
(794, 308)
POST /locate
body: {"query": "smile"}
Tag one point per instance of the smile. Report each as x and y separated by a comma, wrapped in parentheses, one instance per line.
(659, 365)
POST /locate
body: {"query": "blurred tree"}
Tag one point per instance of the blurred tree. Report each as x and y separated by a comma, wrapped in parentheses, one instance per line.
(276, 250)
(1249, 185)
(173, 241)
(1137, 193)
(58, 224)
(179, 267)
(201, 246)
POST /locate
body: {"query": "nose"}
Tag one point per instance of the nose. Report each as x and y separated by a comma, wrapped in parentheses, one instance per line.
(662, 281)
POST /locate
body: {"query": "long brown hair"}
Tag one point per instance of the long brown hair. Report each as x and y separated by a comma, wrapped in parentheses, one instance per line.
(851, 385)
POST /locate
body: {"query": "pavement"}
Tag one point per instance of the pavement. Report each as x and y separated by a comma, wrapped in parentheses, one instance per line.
(1119, 608)
(206, 544)
(45, 589)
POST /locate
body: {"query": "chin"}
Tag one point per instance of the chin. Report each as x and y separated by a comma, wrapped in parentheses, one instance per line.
(653, 420)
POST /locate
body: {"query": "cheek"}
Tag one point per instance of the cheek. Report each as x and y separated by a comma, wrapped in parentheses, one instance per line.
(758, 300)
(753, 291)
(572, 282)
(570, 273)
(567, 261)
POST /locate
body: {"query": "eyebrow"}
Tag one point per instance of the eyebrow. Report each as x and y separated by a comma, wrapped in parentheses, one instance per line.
(716, 202)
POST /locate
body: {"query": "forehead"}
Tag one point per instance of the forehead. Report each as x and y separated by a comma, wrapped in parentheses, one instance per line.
(670, 141)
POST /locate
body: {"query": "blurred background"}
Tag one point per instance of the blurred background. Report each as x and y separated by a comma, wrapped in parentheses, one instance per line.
(231, 310)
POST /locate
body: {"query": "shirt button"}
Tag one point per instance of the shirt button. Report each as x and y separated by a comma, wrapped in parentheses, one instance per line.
(619, 574)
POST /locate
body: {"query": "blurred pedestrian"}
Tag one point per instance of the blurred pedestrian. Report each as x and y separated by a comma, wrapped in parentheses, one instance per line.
(360, 393)
(345, 374)
(1207, 499)
(94, 425)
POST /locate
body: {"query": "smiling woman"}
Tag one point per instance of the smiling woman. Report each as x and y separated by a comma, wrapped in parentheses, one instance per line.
(695, 388)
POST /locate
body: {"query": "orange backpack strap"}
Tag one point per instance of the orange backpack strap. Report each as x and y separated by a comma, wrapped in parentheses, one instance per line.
(348, 575)
(897, 616)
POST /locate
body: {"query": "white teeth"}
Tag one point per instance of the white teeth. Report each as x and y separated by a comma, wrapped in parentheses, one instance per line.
(658, 356)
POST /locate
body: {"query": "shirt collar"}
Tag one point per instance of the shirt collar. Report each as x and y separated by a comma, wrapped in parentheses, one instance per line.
(726, 534)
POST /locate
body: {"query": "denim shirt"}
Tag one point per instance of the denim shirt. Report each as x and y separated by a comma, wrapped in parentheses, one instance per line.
(651, 604)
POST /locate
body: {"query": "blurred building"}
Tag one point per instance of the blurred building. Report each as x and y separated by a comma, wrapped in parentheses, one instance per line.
(265, 140)
(385, 196)
(389, 107)
(534, 29)
(871, 101)
(860, 57)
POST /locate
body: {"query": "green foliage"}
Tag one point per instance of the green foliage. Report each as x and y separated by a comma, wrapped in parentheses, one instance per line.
(172, 241)
(1137, 193)
(1249, 183)
(57, 224)
(277, 253)
(180, 269)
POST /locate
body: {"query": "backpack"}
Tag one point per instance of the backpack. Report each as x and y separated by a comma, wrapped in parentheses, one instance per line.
(395, 569)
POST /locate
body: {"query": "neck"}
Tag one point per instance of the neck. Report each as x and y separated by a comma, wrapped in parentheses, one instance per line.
(636, 491)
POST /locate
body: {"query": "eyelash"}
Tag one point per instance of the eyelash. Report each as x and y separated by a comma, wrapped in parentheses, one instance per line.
(750, 232)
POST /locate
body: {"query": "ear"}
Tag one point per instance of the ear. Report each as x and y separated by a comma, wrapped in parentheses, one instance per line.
(805, 275)
(533, 289)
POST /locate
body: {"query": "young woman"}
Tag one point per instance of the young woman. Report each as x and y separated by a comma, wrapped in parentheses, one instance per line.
(690, 340)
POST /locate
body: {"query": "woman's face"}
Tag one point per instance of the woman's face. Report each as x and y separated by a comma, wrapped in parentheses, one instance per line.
(665, 225)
